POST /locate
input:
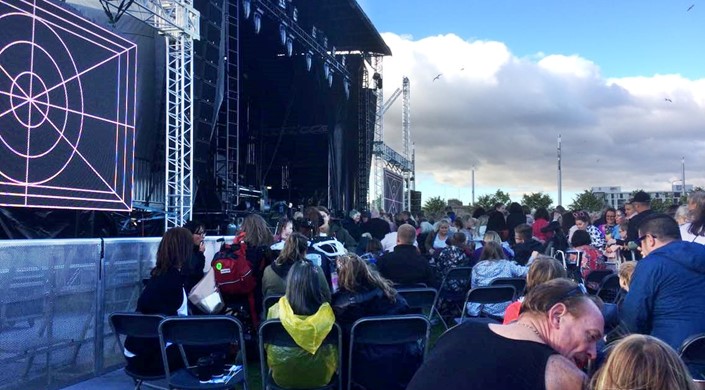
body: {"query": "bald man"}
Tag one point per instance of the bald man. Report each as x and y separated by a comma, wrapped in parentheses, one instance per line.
(405, 265)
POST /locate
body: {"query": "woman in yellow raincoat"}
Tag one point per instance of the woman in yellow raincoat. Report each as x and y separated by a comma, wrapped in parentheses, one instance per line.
(306, 314)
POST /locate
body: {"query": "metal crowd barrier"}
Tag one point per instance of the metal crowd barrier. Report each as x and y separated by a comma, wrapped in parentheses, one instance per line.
(55, 298)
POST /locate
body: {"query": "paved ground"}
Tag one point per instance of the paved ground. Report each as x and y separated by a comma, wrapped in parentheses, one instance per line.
(115, 380)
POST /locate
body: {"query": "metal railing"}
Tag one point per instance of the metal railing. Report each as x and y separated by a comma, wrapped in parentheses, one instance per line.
(55, 298)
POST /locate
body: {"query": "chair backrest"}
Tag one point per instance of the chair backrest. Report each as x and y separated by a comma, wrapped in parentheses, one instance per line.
(269, 301)
(487, 295)
(134, 325)
(692, 352)
(420, 298)
(610, 291)
(459, 277)
(388, 330)
(519, 284)
(273, 332)
(200, 331)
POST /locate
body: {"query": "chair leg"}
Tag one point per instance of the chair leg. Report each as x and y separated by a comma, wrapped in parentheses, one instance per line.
(440, 317)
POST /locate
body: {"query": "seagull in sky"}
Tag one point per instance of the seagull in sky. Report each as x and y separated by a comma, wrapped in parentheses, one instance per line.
(463, 68)
(438, 77)
(668, 100)
(691, 7)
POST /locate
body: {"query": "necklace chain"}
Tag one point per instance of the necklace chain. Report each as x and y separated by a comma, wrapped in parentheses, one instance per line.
(532, 328)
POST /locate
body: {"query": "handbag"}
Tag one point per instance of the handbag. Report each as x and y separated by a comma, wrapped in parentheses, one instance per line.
(205, 294)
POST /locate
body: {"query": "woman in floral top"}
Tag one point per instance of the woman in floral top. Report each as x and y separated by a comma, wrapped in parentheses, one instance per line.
(582, 222)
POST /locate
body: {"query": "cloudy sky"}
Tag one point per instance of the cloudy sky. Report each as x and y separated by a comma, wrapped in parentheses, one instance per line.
(515, 74)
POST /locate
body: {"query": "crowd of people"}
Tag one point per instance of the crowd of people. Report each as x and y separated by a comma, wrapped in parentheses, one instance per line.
(330, 270)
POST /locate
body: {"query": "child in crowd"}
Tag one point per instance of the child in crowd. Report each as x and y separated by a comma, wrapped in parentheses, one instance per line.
(626, 270)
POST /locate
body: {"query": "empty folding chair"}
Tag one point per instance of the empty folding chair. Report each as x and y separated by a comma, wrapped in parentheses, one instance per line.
(201, 331)
(595, 278)
(610, 291)
(406, 333)
(692, 352)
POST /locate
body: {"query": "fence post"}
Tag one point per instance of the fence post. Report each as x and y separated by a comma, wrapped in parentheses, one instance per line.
(98, 329)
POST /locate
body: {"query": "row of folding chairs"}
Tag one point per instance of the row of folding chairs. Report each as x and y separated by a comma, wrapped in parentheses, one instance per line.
(204, 331)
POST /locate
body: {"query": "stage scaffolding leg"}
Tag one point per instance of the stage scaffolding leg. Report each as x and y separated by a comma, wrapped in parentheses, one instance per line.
(179, 130)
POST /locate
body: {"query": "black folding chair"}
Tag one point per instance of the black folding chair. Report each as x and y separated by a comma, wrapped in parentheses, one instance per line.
(692, 352)
(487, 295)
(268, 302)
(454, 288)
(145, 326)
(388, 330)
(519, 285)
(272, 332)
(610, 291)
(201, 331)
(422, 299)
(596, 277)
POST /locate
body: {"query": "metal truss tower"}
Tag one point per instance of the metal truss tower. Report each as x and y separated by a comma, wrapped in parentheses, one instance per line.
(178, 21)
(377, 173)
(406, 140)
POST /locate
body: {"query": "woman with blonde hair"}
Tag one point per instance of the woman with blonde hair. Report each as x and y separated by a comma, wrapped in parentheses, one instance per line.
(435, 242)
(645, 363)
(274, 276)
(363, 293)
(493, 236)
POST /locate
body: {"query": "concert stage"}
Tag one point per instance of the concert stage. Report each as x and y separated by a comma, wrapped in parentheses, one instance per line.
(283, 110)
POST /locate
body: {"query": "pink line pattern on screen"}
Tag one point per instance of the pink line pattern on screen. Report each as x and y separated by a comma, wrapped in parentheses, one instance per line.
(66, 140)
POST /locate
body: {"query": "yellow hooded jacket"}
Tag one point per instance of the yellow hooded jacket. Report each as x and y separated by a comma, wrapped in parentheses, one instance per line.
(312, 365)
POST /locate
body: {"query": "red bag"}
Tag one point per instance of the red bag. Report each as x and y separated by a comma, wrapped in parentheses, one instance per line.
(233, 272)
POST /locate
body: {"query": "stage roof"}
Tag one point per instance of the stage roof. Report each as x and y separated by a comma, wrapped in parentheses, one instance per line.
(346, 24)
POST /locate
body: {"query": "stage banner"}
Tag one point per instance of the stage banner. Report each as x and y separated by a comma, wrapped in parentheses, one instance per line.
(393, 192)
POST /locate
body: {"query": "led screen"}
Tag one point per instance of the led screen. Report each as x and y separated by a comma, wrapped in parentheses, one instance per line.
(67, 110)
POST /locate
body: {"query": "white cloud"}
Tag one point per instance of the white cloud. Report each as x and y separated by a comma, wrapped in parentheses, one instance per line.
(503, 113)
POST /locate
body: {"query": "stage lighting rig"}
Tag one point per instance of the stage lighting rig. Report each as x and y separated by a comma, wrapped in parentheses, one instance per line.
(314, 42)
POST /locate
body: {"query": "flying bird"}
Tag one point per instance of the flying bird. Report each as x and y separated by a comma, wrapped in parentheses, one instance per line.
(668, 100)
(438, 77)
(463, 68)
(691, 7)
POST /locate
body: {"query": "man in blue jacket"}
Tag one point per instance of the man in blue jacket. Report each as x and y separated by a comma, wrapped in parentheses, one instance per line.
(666, 296)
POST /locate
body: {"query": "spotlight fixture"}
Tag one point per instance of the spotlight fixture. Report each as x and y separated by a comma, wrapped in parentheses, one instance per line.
(330, 79)
(289, 45)
(342, 60)
(257, 20)
(246, 8)
(282, 33)
(346, 87)
(282, 4)
(326, 69)
(314, 32)
(332, 51)
(295, 14)
(309, 60)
